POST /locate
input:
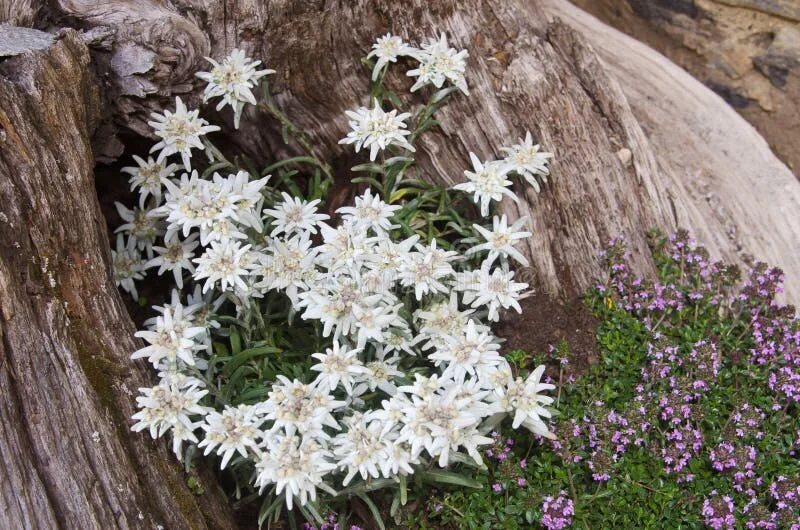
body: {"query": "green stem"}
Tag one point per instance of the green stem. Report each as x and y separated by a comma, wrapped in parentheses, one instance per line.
(297, 134)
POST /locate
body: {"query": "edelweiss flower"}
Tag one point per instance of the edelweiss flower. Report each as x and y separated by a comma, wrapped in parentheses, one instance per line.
(224, 262)
(179, 131)
(168, 406)
(439, 62)
(370, 212)
(382, 372)
(140, 226)
(439, 422)
(338, 365)
(525, 159)
(496, 290)
(149, 177)
(175, 256)
(127, 265)
(233, 81)
(361, 448)
(377, 129)
(523, 398)
(233, 431)
(298, 407)
(294, 215)
(295, 465)
(387, 49)
(426, 269)
(500, 241)
(472, 353)
(488, 183)
(250, 199)
(170, 340)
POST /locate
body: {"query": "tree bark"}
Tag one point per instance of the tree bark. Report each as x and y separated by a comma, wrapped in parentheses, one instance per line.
(68, 385)
(526, 71)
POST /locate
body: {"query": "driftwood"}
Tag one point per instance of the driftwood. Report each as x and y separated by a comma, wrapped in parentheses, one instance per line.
(527, 71)
(66, 380)
(66, 337)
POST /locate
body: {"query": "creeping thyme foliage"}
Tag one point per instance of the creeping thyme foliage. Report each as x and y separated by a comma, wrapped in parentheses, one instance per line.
(689, 420)
(321, 355)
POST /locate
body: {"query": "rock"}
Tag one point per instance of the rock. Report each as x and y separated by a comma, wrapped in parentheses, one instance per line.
(747, 51)
(782, 56)
(624, 156)
(783, 8)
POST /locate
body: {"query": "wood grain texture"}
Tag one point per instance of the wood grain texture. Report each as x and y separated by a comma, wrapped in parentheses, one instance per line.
(66, 380)
(727, 185)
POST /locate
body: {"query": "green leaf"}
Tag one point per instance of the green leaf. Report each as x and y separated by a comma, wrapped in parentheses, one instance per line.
(243, 356)
(376, 514)
(403, 490)
(448, 477)
(363, 487)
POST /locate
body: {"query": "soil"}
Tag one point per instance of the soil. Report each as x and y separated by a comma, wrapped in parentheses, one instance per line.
(545, 321)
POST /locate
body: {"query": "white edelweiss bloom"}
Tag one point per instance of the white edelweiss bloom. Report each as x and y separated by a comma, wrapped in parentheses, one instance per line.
(295, 465)
(470, 353)
(388, 255)
(248, 206)
(425, 387)
(206, 306)
(495, 290)
(235, 430)
(487, 183)
(370, 211)
(180, 131)
(386, 50)
(233, 80)
(294, 406)
(288, 265)
(377, 130)
(440, 320)
(391, 412)
(398, 461)
(382, 371)
(225, 262)
(361, 447)
(294, 216)
(338, 365)
(169, 406)
(332, 303)
(427, 269)
(398, 339)
(438, 63)
(433, 422)
(127, 264)
(370, 323)
(175, 256)
(501, 240)
(344, 247)
(149, 177)
(526, 160)
(170, 339)
(140, 226)
(524, 400)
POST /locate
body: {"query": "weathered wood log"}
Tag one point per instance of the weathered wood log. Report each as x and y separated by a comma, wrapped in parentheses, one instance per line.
(725, 182)
(525, 72)
(66, 379)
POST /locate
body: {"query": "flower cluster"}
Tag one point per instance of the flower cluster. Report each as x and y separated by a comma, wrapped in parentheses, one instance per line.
(669, 401)
(557, 512)
(409, 372)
